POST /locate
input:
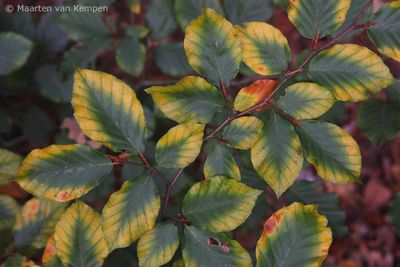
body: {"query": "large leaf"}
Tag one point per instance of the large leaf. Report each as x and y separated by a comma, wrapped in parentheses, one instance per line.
(187, 10)
(108, 111)
(130, 212)
(160, 18)
(79, 239)
(265, 49)
(36, 223)
(205, 249)
(220, 162)
(9, 163)
(351, 72)
(9, 211)
(158, 246)
(62, 172)
(355, 8)
(191, 100)
(294, 236)
(386, 30)
(318, 18)
(131, 56)
(14, 52)
(277, 156)
(243, 132)
(241, 11)
(219, 204)
(212, 48)
(333, 152)
(170, 57)
(180, 146)
(254, 94)
(306, 100)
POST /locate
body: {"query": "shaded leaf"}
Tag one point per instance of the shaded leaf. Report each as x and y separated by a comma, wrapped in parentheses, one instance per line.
(170, 57)
(9, 163)
(14, 52)
(121, 257)
(18, 261)
(394, 212)
(241, 11)
(9, 211)
(187, 10)
(160, 18)
(220, 162)
(243, 132)
(254, 94)
(131, 56)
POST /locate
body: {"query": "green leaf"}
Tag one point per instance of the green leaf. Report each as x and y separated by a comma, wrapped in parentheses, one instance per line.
(219, 204)
(355, 8)
(62, 172)
(108, 111)
(394, 212)
(9, 210)
(136, 31)
(36, 223)
(134, 6)
(158, 246)
(317, 18)
(243, 132)
(180, 146)
(36, 125)
(277, 156)
(265, 49)
(191, 100)
(332, 151)
(79, 239)
(379, 119)
(385, 32)
(220, 162)
(187, 10)
(9, 163)
(205, 249)
(160, 18)
(351, 72)
(130, 212)
(121, 258)
(293, 236)
(306, 100)
(212, 48)
(18, 261)
(131, 56)
(14, 52)
(328, 204)
(242, 11)
(170, 57)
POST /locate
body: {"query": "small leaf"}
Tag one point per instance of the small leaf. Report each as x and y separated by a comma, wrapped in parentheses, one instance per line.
(254, 94)
(277, 156)
(62, 172)
(265, 49)
(242, 11)
(385, 32)
(212, 48)
(9, 163)
(219, 204)
(205, 249)
(306, 100)
(161, 19)
(170, 57)
(394, 212)
(158, 246)
(221, 162)
(351, 72)
(131, 56)
(14, 52)
(296, 235)
(187, 10)
(108, 111)
(79, 239)
(134, 6)
(180, 146)
(9, 211)
(130, 212)
(243, 132)
(333, 152)
(318, 18)
(18, 261)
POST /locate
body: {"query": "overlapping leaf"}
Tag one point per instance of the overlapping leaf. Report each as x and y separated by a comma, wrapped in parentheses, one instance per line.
(333, 152)
(243, 132)
(242, 11)
(14, 52)
(49, 256)
(293, 236)
(318, 18)
(130, 212)
(160, 18)
(180, 146)
(170, 57)
(220, 162)
(265, 49)
(277, 156)
(18, 261)
(254, 94)
(212, 48)
(306, 100)
(108, 111)
(187, 10)
(351, 72)
(191, 100)
(158, 246)
(79, 239)
(219, 204)
(62, 172)
(9, 211)
(131, 56)
(9, 163)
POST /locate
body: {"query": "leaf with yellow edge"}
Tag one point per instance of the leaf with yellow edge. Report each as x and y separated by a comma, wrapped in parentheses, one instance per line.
(265, 49)
(79, 239)
(108, 111)
(254, 94)
(62, 172)
(212, 48)
(49, 257)
(158, 246)
(294, 236)
(191, 100)
(220, 161)
(9, 163)
(243, 132)
(180, 146)
(130, 212)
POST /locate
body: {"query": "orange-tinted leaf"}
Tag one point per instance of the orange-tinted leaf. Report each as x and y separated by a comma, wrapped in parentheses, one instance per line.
(254, 94)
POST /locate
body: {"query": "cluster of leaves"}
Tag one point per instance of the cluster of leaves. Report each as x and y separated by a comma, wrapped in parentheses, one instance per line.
(267, 129)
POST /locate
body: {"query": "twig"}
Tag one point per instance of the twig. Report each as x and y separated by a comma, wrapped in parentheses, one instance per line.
(169, 191)
(153, 170)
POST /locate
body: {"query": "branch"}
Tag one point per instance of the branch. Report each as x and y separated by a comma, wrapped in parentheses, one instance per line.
(169, 191)
(154, 170)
